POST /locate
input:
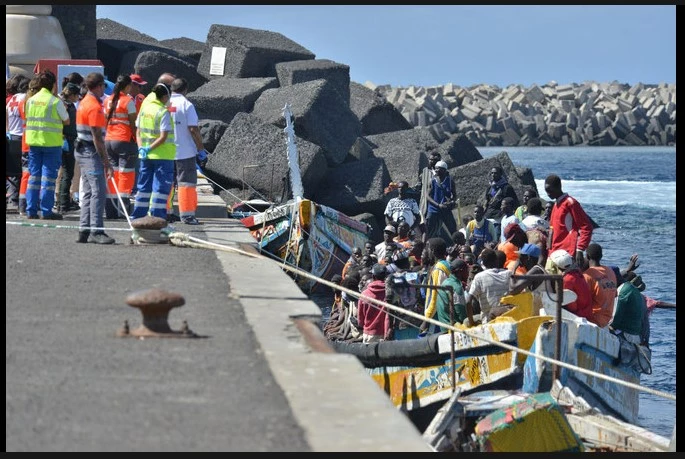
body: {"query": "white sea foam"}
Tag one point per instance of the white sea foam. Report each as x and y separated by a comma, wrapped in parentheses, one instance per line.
(659, 195)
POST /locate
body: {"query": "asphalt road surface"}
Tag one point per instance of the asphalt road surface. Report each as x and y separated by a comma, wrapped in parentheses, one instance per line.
(250, 383)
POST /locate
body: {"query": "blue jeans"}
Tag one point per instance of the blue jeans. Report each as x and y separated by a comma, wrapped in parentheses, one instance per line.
(44, 164)
(155, 179)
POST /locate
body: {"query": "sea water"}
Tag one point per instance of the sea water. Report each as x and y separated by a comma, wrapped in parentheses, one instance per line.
(630, 193)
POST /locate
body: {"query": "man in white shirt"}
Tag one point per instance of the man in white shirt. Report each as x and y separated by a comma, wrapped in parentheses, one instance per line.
(402, 208)
(488, 287)
(188, 142)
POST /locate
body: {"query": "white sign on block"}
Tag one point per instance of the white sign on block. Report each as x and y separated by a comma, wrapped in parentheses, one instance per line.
(216, 66)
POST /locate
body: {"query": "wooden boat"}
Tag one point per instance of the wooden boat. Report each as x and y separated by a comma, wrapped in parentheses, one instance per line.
(587, 346)
(516, 421)
(416, 373)
(315, 238)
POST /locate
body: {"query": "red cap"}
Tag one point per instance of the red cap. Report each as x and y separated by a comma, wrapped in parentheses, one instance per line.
(511, 230)
(137, 79)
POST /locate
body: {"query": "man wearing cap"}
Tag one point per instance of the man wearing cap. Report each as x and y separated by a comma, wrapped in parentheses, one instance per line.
(135, 91)
(441, 200)
(381, 248)
(373, 318)
(529, 257)
(137, 83)
(573, 280)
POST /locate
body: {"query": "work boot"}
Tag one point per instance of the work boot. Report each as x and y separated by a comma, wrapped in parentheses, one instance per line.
(100, 238)
(83, 237)
(51, 216)
(190, 220)
(171, 217)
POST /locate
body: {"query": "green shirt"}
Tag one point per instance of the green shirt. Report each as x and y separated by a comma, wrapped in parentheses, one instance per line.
(443, 302)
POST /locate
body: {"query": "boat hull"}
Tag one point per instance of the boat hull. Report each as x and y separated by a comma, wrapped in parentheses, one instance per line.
(418, 372)
(592, 348)
(315, 238)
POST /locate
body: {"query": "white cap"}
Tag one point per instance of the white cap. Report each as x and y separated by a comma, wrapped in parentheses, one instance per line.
(442, 164)
(561, 258)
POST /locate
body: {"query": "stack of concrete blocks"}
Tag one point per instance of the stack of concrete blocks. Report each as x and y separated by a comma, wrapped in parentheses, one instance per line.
(590, 113)
(352, 141)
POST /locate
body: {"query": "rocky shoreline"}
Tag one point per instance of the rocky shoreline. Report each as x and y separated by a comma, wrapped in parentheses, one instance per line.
(590, 113)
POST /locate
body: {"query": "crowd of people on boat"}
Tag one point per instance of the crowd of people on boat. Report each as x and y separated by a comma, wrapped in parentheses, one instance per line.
(506, 247)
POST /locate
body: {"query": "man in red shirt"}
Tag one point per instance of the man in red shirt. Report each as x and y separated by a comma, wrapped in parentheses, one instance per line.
(373, 318)
(570, 227)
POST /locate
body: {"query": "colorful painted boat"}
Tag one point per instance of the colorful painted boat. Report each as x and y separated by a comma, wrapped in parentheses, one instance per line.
(589, 347)
(315, 238)
(516, 421)
(416, 373)
(312, 237)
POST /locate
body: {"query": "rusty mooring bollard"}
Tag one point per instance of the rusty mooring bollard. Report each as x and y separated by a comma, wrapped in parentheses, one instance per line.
(155, 305)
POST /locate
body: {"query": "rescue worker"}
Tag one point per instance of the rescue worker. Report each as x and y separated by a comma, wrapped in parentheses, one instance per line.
(34, 87)
(91, 155)
(46, 116)
(135, 91)
(120, 113)
(157, 151)
(189, 150)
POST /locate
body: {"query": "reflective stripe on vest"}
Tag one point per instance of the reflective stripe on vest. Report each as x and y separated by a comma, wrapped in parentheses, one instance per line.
(85, 108)
(43, 124)
(119, 126)
(150, 129)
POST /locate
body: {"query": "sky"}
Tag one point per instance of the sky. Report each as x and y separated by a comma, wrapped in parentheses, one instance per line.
(403, 45)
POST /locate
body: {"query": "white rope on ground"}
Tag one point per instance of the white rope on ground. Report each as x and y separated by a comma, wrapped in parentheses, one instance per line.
(47, 225)
(183, 239)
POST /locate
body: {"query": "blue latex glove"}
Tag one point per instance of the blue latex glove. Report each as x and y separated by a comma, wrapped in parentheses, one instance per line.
(65, 145)
(202, 155)
(7, 134)
(143, 151)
